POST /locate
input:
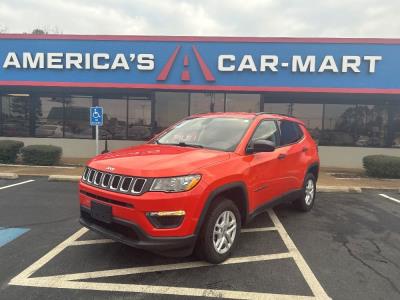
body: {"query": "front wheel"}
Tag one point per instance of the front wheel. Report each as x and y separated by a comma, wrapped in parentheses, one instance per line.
(220, 232)
(306, 201)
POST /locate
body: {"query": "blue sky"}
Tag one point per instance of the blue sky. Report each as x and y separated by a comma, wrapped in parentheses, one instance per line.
(293, 18)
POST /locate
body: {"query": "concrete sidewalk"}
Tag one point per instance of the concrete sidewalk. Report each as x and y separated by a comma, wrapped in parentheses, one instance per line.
(329, 179)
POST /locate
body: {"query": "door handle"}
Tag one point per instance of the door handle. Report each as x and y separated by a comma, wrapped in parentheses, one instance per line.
(305, 149)
(281, 156)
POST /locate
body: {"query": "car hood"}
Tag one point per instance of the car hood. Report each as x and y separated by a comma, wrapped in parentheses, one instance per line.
(152, 160)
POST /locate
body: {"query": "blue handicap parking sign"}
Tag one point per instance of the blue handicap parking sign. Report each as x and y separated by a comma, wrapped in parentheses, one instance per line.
(96, 116)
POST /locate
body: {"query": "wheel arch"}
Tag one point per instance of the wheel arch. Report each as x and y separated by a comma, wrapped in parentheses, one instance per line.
(235, 191)
(313, 169)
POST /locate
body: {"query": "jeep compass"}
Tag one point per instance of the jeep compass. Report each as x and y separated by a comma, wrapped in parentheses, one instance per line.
(193, 186)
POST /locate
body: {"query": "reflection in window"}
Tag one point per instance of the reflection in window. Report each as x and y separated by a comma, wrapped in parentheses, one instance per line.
(396, 128)
(15, 115)
(243, 102)
(355, 125)
(206, 102)
(114, 119)
(267, 131)
(139, 118)
(311, 115)
(77, 111)
(170, 108)
(278, 108)
(49, 117)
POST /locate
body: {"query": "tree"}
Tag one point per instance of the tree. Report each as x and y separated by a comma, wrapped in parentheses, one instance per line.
(39, 31)
(47, 30)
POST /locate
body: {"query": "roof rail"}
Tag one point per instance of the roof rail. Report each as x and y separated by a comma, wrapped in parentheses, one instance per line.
(271, 113)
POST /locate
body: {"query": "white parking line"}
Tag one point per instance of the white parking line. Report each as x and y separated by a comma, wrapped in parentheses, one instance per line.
(390, 198)
(309, 276)
(15, 184)
(91, 242)
(168, 267)
(71, 281)
(262, 229)
(159, 290)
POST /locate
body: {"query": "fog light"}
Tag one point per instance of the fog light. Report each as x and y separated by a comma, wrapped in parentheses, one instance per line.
(166, 219)
(167, 213)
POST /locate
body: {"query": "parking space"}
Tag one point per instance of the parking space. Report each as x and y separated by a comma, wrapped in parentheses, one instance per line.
(346, 248)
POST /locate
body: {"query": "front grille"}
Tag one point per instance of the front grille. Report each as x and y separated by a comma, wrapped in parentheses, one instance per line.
(115, 182)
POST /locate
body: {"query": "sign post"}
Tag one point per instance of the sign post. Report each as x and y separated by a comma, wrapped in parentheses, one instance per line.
(96, 119)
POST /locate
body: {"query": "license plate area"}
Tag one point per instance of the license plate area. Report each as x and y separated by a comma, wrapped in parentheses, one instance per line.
(101, 212)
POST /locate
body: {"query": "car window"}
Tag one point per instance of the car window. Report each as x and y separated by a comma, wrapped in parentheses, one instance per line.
(218, 133)
(290, 132)
(266, 130)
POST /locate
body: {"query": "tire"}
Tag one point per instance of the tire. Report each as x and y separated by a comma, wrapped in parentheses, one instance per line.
(306, 201)
(208, 242)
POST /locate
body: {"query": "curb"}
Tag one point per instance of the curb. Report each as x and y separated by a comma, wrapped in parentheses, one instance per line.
(336, 189)
(8, 176)
(35, 166)
(64, 178)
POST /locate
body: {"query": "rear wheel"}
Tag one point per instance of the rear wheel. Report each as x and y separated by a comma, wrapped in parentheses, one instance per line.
(220, 232)
(306, 201)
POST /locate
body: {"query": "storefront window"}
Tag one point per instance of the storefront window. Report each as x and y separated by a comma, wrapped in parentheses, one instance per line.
(278, 108)
(170, 108)
(49, 117)
(15, 115)
(355, 125)
(243, 102)
(206, 102)
(311, 115)
(396, 128)
(139, 119)
(114, 119)
(77, 110)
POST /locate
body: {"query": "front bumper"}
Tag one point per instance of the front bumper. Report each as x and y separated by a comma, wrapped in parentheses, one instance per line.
(131, 234)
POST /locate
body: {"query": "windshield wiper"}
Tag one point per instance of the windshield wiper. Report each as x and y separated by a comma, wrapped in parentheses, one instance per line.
(183, 144)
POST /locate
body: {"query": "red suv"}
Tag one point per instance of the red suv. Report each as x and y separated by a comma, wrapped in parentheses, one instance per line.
(194, 185)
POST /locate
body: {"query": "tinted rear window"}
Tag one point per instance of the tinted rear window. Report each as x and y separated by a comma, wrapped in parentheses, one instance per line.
(290, 132)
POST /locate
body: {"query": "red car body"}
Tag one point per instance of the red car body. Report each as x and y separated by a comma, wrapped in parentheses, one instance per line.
(255, 180)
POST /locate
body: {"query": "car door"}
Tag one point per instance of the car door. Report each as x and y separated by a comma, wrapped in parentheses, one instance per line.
(264, 166)
(291, 155)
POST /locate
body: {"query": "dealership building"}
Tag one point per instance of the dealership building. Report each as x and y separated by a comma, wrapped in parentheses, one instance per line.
(347, 91)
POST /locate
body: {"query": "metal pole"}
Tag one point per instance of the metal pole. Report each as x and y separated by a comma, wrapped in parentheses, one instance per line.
(97, 139)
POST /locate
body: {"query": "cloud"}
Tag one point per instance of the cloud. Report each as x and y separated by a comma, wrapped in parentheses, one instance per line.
(293, 18)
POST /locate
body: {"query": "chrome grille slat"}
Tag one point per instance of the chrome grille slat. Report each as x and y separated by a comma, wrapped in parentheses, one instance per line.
(123, 182)
(114, 182)
(98, 178)
(86, 173)
(91, 175)
(137, 187)
(106, 175)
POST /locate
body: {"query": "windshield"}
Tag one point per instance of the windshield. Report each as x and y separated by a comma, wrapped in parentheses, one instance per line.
(213, 133)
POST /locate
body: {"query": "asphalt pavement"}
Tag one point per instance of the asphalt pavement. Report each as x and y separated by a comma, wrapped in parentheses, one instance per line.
(347, 247)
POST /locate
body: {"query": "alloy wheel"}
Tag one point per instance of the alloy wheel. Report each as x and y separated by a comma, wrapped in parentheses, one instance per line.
(224, 232)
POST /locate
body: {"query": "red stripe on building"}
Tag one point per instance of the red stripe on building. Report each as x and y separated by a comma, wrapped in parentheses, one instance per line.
(167, 68)
(204, 69)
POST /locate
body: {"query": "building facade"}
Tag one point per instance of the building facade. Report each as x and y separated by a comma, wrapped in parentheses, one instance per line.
(347, 91)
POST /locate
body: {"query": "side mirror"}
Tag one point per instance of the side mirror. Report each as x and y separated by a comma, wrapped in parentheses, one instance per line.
(263, 146)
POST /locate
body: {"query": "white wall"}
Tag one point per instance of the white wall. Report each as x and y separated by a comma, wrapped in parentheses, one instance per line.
(339, 157)
(350, 157)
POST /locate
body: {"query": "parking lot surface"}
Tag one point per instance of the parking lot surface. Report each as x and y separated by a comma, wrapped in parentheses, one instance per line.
(348, 247)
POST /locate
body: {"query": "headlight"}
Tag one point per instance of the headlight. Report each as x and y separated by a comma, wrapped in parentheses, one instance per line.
(175, 184)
